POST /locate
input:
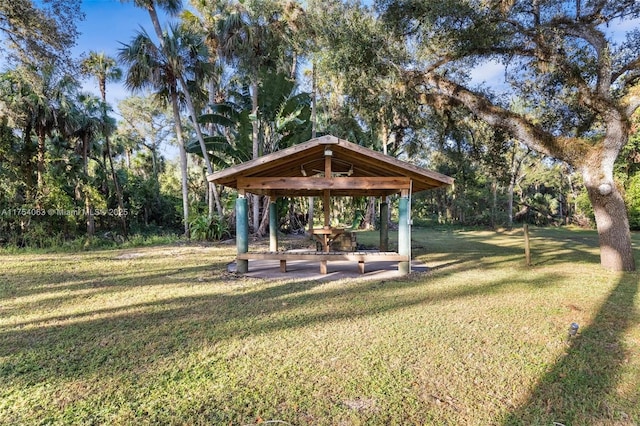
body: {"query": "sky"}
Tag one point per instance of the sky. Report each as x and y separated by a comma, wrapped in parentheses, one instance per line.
(108, 24)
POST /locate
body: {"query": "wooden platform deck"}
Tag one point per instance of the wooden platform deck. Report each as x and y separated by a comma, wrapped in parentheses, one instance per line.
(323, 257)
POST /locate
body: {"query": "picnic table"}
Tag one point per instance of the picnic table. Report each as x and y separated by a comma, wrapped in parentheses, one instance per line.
(326, 235)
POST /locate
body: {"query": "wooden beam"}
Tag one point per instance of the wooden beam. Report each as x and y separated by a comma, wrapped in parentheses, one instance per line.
(334, 193)
(326, 207)
(365, 162)
(316, 145)
(318, 183)
(327, 163)
(359, 256)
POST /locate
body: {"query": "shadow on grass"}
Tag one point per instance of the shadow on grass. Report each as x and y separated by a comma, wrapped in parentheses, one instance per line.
(99, 339)
(578, 389)
(489, 248)
(548, 245)
(132, 338)
(136, 338)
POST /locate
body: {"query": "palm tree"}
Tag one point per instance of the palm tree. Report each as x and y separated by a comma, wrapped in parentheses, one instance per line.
(104, 69)
(39, 101)
(88, 126)
(209, 23)
(283, 120)
(47, 102)
(154, 68)
(173, 7)
(15, 95)
(257, 36)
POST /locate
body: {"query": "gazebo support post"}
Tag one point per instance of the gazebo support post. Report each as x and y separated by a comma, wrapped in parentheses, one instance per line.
(384, 224)
(273, 225)
(242, 232)
(326, 207)
(310, 217)
(327, 215)
(404, 232)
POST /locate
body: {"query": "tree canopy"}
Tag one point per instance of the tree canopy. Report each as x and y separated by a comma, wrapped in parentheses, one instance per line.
(577, 87)
(38, 31)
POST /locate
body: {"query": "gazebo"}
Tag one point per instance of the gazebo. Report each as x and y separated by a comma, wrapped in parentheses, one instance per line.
(327, 167)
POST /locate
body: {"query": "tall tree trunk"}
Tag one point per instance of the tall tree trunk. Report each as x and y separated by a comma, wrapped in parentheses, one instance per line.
(574, 197)
(494, 202)
(184, 180)
(595, 161)
(616, 252)
(27, 165)
(370, 214)
(510, 202)
(255, 148)
(314, 126)
(384, 133)
(40, 162)
(294, 66)
(264, 221)
(114, 176)
(184, 176)
(153, 15)
(314, 96)
(116, 186)
(193, 115)
(91, 225)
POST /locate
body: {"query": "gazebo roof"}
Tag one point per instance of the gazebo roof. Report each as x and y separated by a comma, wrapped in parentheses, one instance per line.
(355, 171)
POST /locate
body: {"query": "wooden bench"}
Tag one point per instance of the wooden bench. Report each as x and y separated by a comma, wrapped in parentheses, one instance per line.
(323, 257)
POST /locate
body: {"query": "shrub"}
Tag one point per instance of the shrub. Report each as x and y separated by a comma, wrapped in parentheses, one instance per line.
(207, 228)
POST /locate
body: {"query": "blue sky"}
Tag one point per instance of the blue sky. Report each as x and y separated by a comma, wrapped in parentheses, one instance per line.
(107, 24)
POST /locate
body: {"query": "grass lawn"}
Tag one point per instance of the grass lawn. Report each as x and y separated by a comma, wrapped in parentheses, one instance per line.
(164, 335)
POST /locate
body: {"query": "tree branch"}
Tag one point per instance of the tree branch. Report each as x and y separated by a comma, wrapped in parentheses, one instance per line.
(631, 101)
(631, 66)
(444, 93)
(598, 41)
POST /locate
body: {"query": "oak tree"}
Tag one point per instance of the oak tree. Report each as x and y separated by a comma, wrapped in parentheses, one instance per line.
(580, 82)
(33, 31)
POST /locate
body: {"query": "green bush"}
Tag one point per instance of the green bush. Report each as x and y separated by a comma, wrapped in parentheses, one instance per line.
(584, 215)
(204, 228)
(632, 198)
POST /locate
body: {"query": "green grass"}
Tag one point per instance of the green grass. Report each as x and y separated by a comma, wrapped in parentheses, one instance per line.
(56, 244)
(164, 335)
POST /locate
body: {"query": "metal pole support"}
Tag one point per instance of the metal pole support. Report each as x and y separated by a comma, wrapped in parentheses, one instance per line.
(242, 233)
(404, 234)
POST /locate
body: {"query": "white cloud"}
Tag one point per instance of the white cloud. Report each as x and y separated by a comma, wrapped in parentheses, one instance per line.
(489, 73)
